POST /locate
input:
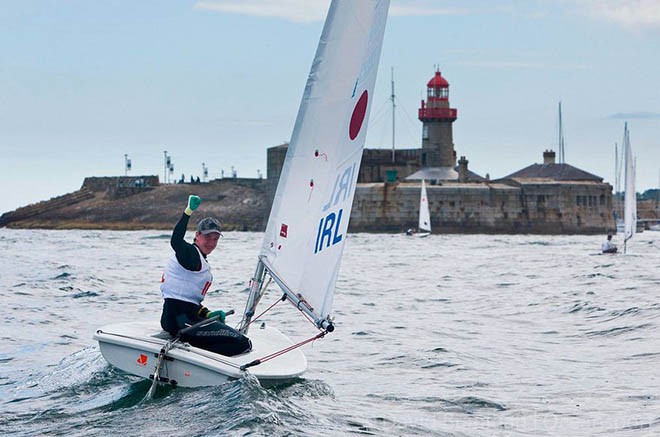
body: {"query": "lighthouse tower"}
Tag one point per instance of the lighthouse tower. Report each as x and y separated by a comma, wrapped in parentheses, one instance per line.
(438, 158)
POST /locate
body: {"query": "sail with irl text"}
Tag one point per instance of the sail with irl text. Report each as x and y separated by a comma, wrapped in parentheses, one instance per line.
(306, 230)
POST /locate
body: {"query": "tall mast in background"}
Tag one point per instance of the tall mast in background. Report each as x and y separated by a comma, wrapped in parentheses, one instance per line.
(393, 118)
(560, 140)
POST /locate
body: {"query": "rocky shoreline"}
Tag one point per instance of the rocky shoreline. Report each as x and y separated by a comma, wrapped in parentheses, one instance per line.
(239, 204)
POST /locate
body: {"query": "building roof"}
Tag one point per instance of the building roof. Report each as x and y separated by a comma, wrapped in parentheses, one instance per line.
(434, 173)
(474, 177)
(560, 172)
(437, 81)
(442, 174)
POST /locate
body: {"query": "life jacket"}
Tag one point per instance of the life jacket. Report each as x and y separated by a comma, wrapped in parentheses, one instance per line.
(187, 285)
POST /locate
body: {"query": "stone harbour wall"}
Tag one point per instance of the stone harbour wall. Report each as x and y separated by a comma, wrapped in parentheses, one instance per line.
(482, 208)
(244, 204)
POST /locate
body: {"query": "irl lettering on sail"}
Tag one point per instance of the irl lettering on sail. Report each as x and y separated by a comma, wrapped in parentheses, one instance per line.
(329, 230)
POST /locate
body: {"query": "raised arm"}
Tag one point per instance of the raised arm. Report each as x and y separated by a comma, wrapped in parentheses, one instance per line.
(186, 253)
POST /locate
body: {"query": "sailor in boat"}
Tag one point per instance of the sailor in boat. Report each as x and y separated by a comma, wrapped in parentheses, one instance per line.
(186, 280)
(608, 246)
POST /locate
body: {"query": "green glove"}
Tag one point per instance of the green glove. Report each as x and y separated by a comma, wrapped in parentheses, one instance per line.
(193, 204)
(220, 313)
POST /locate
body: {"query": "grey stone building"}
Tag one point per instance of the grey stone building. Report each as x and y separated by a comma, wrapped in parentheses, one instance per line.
(548, 198)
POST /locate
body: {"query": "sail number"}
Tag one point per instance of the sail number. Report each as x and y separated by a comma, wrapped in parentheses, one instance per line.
(328, 230)
(328, 233)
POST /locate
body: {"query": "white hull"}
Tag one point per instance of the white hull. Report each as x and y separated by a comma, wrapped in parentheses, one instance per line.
(134, 347)
(418, 234)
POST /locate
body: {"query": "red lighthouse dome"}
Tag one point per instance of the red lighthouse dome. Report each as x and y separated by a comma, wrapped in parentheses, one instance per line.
(438, 81)
(436, 106)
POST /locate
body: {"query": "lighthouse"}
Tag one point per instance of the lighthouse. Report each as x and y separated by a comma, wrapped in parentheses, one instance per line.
(438, 157)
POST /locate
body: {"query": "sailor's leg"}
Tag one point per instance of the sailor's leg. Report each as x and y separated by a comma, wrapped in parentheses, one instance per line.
(219, 338)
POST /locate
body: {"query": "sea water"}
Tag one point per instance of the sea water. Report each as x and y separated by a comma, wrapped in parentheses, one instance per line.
(462, 335)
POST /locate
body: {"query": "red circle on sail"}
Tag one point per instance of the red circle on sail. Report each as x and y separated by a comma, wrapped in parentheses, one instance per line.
(358, 115)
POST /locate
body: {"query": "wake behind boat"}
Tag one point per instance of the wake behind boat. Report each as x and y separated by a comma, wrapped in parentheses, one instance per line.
(304, 238)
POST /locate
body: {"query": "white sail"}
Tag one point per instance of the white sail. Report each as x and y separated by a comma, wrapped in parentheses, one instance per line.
(630, 205)
(424, 214)
(306, 230)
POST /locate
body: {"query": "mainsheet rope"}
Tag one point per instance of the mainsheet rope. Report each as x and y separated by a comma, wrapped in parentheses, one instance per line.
(267, 309)
(283, 351)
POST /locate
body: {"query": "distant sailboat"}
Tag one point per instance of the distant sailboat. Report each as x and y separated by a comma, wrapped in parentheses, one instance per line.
(424, 227)
(306, 231)
(630, 202)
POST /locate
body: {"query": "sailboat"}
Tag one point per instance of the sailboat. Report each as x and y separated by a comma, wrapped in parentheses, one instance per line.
(424, 227)
(306, 230)
(630, 197)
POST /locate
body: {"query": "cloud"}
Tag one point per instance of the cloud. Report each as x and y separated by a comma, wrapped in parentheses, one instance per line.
(523, 64)
(629, 14)
(308, 11)
(635, 115)
(297, 11)
(424, 8)
(223, 121)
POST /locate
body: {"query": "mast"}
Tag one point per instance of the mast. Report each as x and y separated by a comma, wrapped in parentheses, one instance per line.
(618, 210)
(393, 118)
(616, 169)
(256, 291)
(560, 142)
(619, 163)
(630, 207)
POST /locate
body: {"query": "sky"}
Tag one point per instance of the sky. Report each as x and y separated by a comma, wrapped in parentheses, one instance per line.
(84, 83)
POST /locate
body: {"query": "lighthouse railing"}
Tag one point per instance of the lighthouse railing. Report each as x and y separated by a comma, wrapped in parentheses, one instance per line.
(444, 113)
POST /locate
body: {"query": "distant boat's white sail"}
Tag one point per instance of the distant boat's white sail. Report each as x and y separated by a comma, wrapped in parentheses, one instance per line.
(424, 214)
(630, 206)
(306, 230)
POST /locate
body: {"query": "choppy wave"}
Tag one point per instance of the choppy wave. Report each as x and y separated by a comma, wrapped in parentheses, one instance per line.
(448, 335)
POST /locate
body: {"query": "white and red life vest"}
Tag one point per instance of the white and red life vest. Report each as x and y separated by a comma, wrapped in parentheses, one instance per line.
(187, 285)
